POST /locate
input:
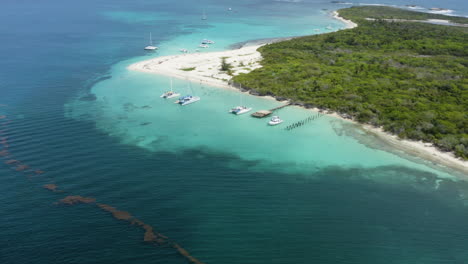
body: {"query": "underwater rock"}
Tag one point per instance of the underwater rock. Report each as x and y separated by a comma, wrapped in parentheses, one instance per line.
(39, 171)
(129, 107)
(120, 215)
(22, 167)
(2, 116)
(149, 236)
(76, 199)
(12, 161)
(4, 153)
(50, 187)
(186, 254)
(89, 97)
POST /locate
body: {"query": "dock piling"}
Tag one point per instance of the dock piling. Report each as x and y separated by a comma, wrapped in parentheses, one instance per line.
(303, 122)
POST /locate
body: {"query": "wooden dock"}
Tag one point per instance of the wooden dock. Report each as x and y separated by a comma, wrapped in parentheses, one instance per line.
(264, 113)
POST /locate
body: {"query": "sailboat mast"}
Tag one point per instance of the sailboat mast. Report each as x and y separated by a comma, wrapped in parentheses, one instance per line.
(204, 15)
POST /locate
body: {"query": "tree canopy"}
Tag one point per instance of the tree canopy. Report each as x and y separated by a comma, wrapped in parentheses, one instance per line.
(408, 77)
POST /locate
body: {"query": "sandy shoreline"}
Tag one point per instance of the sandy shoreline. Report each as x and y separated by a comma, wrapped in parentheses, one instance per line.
(205, 68)
(348, 23)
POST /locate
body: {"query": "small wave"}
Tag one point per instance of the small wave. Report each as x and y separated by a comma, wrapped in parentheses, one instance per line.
(441, 11)
(414, 7)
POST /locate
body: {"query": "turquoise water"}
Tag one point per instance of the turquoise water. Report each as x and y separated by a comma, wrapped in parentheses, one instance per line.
(229, 189)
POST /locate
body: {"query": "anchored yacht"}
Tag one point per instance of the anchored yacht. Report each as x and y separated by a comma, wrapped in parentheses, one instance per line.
(275, 120)
(239, 110)
(170, 94)
(207, 41)
(188, 99)
(204, 16)
(151, 47)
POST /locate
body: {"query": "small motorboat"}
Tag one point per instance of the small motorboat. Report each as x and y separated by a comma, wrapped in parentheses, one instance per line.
(239, 110)
(204, 46)
(275, 120)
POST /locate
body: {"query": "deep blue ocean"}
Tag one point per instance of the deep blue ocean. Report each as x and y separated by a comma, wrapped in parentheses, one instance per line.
(219, 206)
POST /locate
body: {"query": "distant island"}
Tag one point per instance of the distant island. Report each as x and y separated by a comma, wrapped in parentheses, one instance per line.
(392, 71)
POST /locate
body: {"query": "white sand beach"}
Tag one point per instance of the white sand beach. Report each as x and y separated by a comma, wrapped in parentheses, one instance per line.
(204, 67)
(348, 23)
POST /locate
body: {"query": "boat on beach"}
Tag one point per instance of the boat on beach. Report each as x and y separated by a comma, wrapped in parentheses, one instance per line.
(150, 46)
(170, 94)
(275, 120)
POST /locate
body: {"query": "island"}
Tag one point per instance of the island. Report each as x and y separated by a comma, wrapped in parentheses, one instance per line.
(401, 74)
(396, 70)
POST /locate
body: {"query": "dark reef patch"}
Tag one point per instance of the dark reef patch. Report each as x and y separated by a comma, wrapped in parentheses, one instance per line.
(51, 187)
(89, 98)
(76, 199)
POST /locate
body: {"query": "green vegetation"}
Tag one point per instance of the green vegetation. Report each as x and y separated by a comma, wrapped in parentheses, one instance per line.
(188, 69)
(409, 77)
(227, 67)
(383, 12)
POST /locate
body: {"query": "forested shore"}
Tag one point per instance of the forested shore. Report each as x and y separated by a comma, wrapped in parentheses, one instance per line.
(408, 77)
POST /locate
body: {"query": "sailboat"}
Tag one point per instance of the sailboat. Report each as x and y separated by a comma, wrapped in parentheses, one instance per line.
(204, 17)
(187, 99)
(241, 109)
(170, 94)
(151, 47)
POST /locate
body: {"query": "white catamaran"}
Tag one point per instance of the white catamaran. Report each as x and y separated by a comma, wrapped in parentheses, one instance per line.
(151, 47)
(188, 99)
(170, 94)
